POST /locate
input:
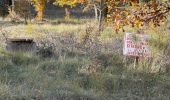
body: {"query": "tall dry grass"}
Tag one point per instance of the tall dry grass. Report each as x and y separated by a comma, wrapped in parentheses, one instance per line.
(66, 68)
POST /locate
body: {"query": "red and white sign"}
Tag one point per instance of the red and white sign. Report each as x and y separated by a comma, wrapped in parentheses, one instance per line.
(136, 45)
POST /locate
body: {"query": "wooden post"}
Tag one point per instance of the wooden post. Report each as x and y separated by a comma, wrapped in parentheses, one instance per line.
(137, 60)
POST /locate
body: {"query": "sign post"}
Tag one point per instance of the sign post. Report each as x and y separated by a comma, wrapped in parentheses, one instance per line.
(136, 45)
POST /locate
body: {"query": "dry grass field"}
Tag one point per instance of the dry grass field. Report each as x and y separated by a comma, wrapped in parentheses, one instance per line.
(65, 67)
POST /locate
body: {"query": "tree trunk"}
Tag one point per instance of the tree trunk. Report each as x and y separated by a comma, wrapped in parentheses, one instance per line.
(96, 13)
(105, 12)
(3, 13)
(99, 23)
(25, 19)
(39, 15)
(67, 13)
(100, 17)
(13, 5)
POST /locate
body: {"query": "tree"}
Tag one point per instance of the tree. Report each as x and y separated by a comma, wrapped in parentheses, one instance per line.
(99, 7)
(67, 4)
(39, 7)
(22, 8)
(137, 13)
(4, 4)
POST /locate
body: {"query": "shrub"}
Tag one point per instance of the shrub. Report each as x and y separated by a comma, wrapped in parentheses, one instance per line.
(21, 58)
(45, 52)
(5, 92)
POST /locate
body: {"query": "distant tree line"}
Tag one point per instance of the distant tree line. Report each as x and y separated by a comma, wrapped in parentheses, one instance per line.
(137, 13)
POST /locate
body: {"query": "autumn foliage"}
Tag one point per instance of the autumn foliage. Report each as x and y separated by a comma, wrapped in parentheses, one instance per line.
(137, 13)
(39, 7)
(68, 4)
(22, 7)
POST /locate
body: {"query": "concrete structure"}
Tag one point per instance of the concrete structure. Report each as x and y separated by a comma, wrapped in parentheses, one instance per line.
(25, 45)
